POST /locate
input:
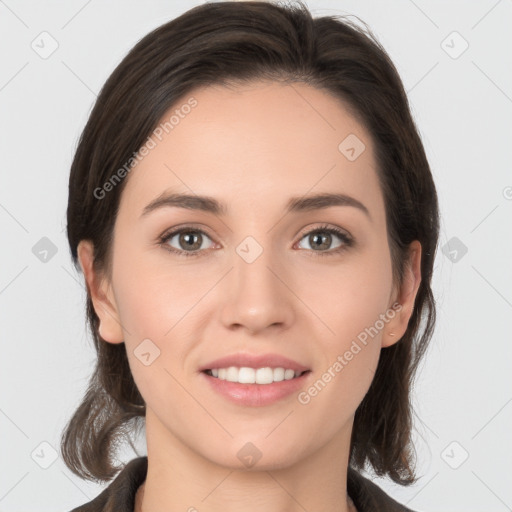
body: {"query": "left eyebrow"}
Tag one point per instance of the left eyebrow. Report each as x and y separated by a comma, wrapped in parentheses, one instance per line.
(212, 205)
(325, 200)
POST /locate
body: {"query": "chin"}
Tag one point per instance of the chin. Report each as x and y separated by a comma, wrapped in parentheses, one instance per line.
(256, 453)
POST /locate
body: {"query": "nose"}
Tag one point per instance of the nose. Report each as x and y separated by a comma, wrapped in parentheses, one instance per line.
(258, 295)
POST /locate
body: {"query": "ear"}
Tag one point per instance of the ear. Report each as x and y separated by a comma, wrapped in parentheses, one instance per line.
(403, 299)
(100, 291)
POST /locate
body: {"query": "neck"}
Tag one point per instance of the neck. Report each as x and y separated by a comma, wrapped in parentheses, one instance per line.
(179, 478)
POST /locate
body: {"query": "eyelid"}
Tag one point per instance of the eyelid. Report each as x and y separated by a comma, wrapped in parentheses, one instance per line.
(175, 230)
(324, 227)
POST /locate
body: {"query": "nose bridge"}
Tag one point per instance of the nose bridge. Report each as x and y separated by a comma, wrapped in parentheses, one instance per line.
(258, 297)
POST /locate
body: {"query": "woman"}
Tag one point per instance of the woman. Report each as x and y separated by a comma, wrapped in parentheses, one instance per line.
(256, 221)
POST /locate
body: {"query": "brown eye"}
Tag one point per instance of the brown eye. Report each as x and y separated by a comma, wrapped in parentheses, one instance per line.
(188, 242)
(320, 240)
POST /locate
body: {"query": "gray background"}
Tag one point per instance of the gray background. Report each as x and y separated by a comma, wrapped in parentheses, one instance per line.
(461, 100)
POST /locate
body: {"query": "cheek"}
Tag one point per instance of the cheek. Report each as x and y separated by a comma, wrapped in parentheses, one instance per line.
(350, 296)
(154, 308)
(347, 358)
(161, 307)
(351, 300)
(332, 398)
(152, 297)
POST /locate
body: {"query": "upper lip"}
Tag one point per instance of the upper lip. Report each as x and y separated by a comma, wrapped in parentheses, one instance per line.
(255, 361)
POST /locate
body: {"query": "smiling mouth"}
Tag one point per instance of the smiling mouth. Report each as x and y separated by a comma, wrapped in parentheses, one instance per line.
(246, 375)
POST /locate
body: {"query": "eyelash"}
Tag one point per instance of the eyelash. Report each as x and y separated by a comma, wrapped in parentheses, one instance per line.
(347, 240)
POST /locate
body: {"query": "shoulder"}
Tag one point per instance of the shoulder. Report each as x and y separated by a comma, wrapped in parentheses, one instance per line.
(368, 496)
(120, 494)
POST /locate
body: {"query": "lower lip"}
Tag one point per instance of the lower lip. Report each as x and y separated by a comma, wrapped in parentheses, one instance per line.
(256, 395)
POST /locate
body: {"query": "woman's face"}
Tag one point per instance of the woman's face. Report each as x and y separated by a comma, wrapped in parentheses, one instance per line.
(260, 278)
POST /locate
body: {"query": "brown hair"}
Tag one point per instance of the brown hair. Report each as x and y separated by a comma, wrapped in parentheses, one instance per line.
(239, 42)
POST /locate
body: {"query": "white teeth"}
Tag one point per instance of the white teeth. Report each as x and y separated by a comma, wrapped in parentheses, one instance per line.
(279, 374)
(246, 375)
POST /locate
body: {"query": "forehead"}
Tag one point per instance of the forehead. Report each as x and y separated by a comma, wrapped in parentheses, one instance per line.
(257, 145)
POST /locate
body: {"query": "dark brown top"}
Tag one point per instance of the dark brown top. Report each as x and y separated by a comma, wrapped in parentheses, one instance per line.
(119, 496)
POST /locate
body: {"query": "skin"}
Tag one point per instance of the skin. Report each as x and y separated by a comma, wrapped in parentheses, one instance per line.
(252, 147)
